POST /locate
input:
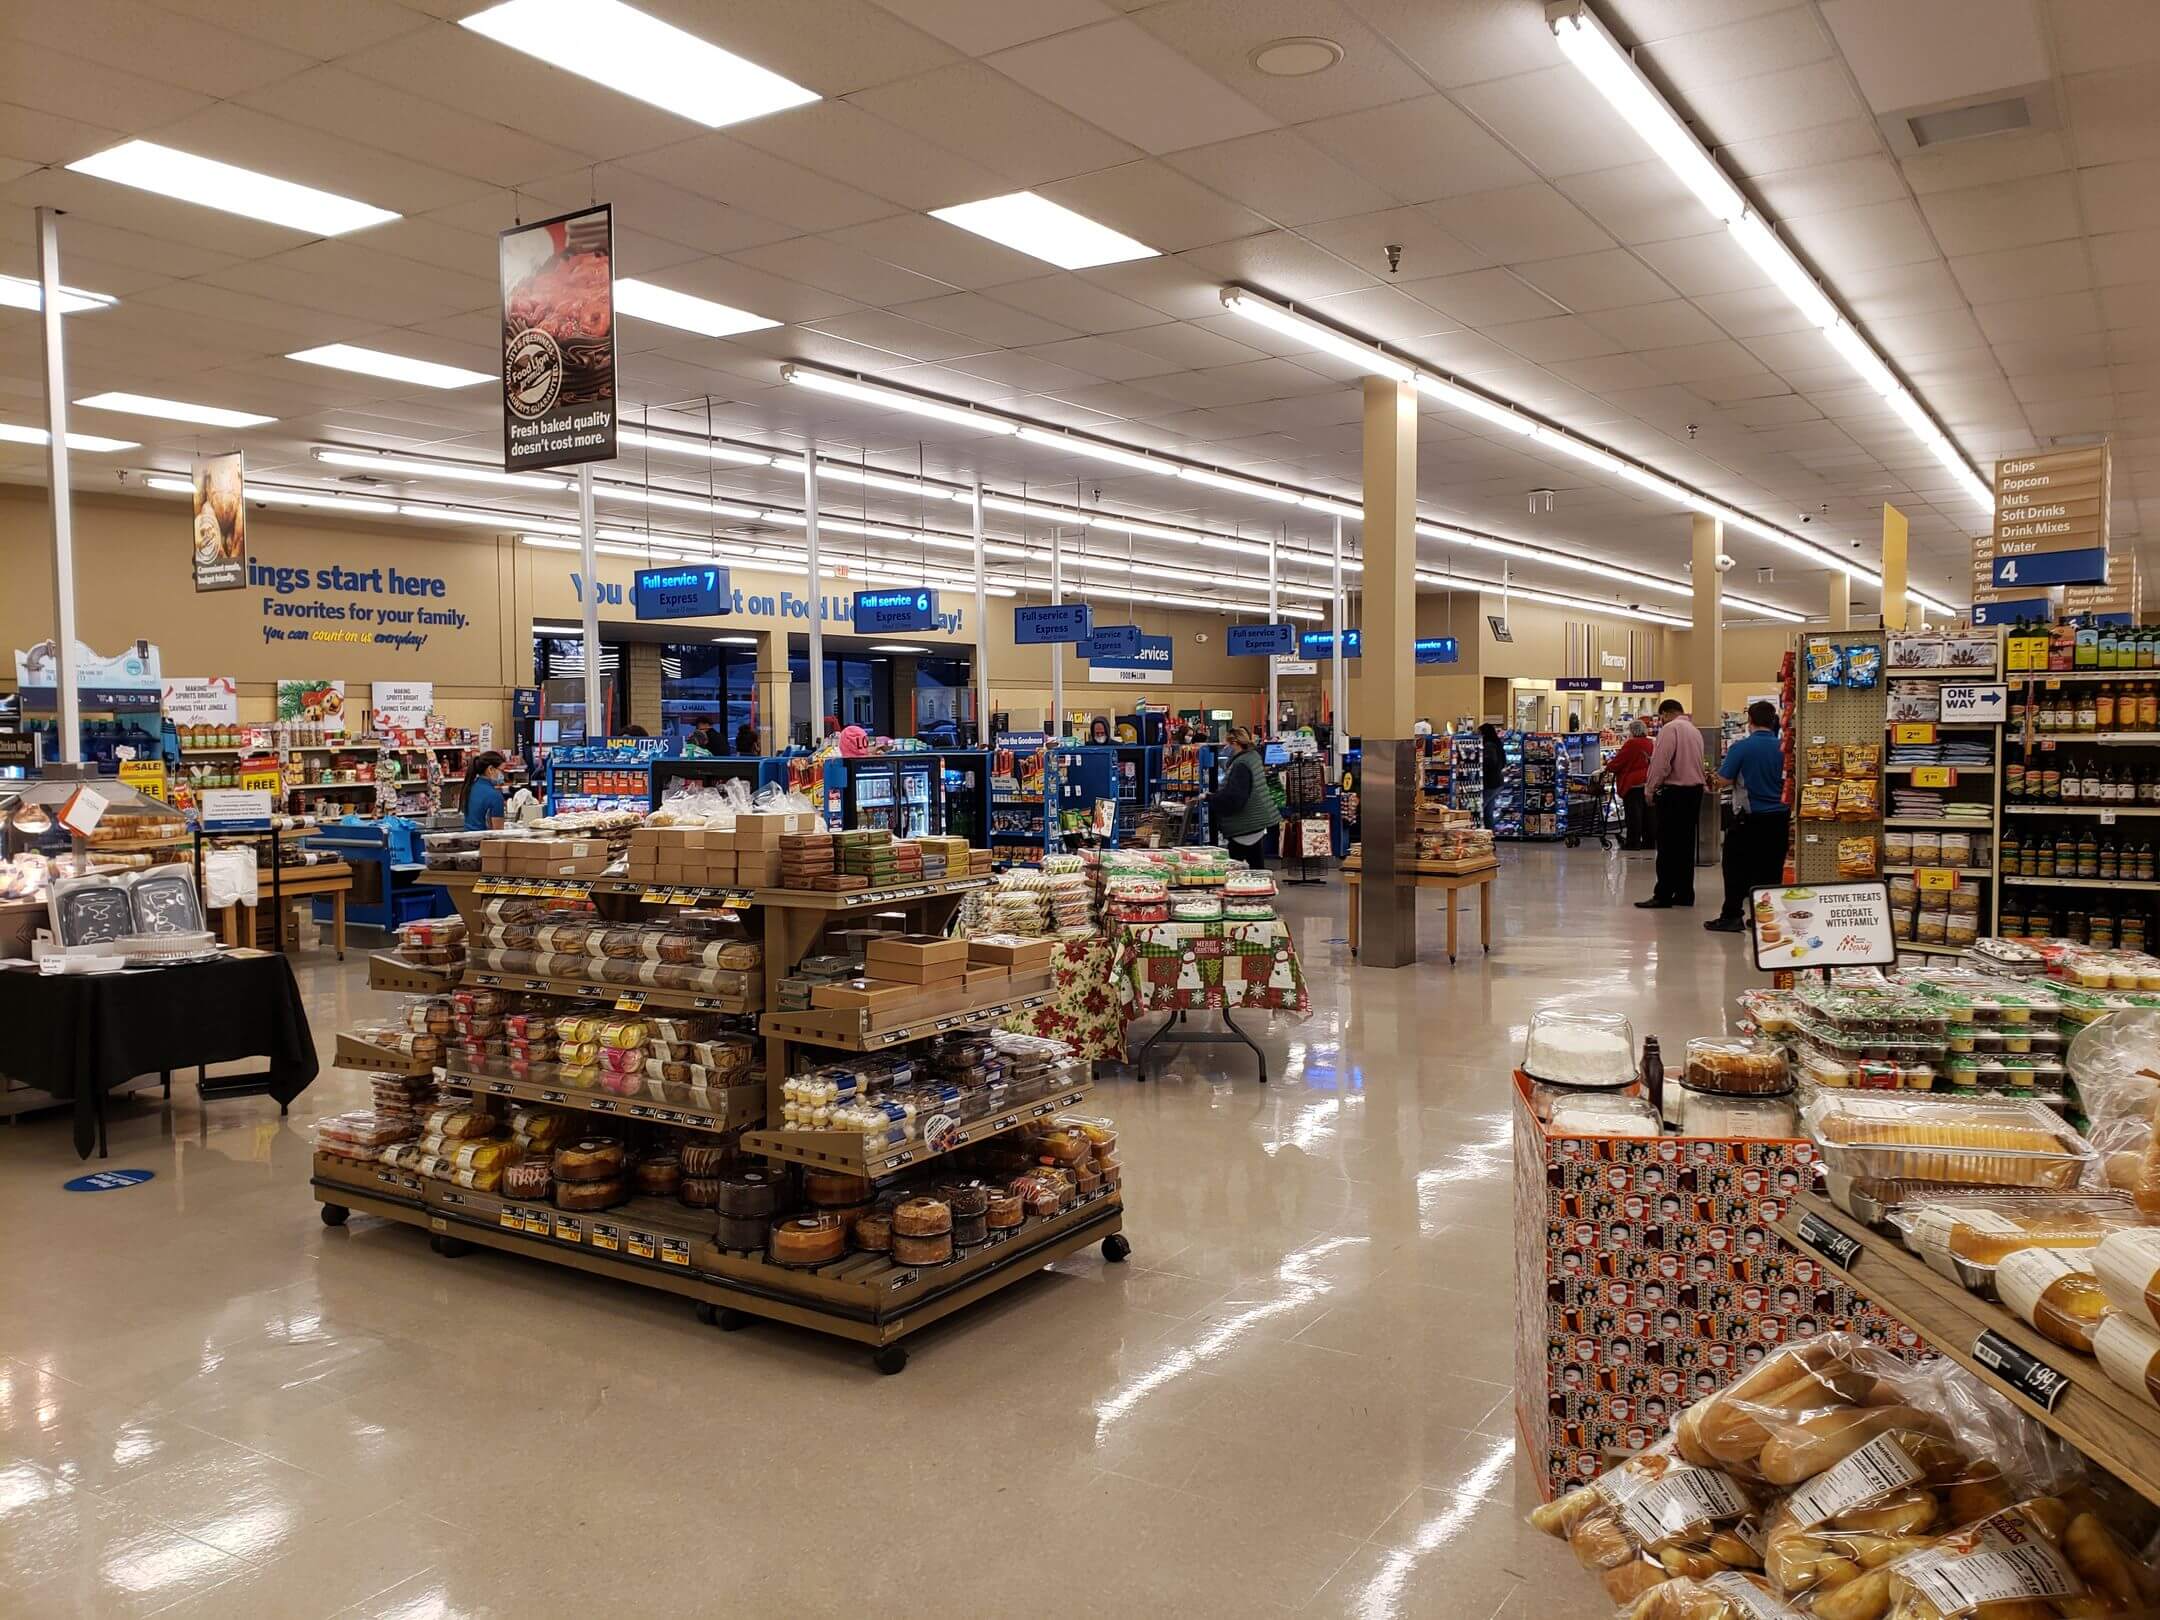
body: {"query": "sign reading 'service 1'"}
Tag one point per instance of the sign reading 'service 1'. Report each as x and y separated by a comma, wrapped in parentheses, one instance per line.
(558, 335)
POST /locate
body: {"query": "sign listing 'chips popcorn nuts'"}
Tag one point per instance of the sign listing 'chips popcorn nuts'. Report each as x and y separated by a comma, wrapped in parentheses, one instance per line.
(1824, 925)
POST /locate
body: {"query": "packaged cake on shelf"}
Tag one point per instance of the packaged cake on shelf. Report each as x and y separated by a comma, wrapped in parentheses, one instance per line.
(361, 1135)
(1579, 1048)
(1980, 1142)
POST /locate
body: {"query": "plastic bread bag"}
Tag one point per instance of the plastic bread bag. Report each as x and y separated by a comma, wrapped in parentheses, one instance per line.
(1653, 1518)
(2115, 1061)
(2047, 1558)
(1733, 1594)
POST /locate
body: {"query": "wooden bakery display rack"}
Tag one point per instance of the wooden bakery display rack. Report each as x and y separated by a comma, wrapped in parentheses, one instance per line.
(2054, 1386)
(660, 1243)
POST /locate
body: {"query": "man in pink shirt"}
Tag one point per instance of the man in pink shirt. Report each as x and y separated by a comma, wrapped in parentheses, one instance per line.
(1675, 783)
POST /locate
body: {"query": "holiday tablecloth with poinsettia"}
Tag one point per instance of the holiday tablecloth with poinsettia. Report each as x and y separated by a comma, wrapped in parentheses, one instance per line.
(1083, 1008)
(1182, 966)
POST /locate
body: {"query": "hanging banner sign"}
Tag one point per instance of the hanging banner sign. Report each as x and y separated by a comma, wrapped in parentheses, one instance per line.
(1578, 683)
(2001, 611)
(524, 702)
(220, 529)
(558, 336)
(1064, 622)
(1262, 640)
(1827, 925)
(1148, 664)
(1500, 631)
(885, 612)
(1112, 642)
(691, 591)
(1642, 686)
(1437, 650)
(316, 702)
(207, 701)
(2052, 568)
(2051, 519)
(1320, 644)
(401, 705)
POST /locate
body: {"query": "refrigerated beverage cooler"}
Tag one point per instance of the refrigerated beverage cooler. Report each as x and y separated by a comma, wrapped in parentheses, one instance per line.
(939, 793)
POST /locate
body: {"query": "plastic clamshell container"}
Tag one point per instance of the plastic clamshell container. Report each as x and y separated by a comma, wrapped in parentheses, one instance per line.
(1971, 1142)
(1579, 1048)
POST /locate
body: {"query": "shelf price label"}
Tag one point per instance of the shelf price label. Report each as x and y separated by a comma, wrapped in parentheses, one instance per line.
(1826, 1240)
(1913, 731)
(1934, 776)
(630, 1001)
(1935, 879)
(2020, 1369)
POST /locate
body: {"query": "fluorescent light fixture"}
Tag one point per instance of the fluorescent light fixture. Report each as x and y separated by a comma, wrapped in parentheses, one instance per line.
(1853, 349)
(892, 399)
(1786, 273)
(18, 293)
(458, 471)
(483, 519)
(1599, 58)
(735, 641)
(637, 439)
(621, 47)
(841, 472)
(170, 485)
(322, 500)
(895, 647)
(1324, 338)
(672, 502)
(174, 410)
(396, 367)
(1476, 404)
(1094, 450)
(1044, 230)
(781, 515)
(1580, 449)
(668, 307)
(229, 188)
(1049, 514)
(11, 433)
(1241, 486)
(1334, 508)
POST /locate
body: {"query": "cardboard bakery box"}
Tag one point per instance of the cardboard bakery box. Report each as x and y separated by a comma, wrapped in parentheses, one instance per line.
(669, 873)
(762, 829)
(865, 995)
(983, 979)
(1012, 952)
(915, 958)
(758, 869)
(718, 839)
(495, 857)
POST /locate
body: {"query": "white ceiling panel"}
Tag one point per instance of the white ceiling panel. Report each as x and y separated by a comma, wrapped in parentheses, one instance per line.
(1552, 122)
(943, 252)
(725, 170)
(2058, 315)
(1155, 204)
(1777, 103)
(2111, 113)
(971, 107)
(1463, 41)
(1283, 176)
(989, 323)
(141, 40)
(1919, 52)
(978, 27)
(1642, 327)
(1419, 149)
(1801, 148)
(1124, 80)
(840, 140)
(1860, 239)
(1637, 202)
(2121, 257)
(1557, 337)
(2013, 213)
(1604, 280)
(320, 32)
(1519, 224)
(1986, 162)
(820, 261)
(1427, 250)
(1221, 35)
(1075, 302)
(1699, 266)
(835, 47)
(2025, 272)
(2092, 35)
(1387, 313)
(1767, 43)
(1279, 262)
(1482, 298)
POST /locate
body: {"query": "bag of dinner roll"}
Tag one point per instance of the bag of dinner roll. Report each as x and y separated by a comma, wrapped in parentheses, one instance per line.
(2048, 1558)
(1734, 1595)
(1652, 1518)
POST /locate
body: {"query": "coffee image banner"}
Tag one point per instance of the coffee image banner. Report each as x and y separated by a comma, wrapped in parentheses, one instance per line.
(558, 332)
(219, 537)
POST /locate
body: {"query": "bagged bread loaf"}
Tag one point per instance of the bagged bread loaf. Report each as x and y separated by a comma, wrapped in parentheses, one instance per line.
(1733, 1595)
(2049, 1558)
(1653, 1518)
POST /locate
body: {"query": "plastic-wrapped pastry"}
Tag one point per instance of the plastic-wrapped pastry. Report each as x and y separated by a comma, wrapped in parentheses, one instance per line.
(601, 1194)
(2128, 1266)
(578, 1028)
(618, 944)
(970, 1230)
(594, 1158)
(1004, 1210)
(529, 1178)
(699, 1192)
(964, 1198)
(1088, 1180)
(742, 1233)
(2056, 1292)
(659, 1175)
(623, 1034)
(933, 1249)
(872, 1232)
(830, 1189)
(921, 1217)
(808, 1240)
(702, 1159)
(749, 1193)
(459, 1123)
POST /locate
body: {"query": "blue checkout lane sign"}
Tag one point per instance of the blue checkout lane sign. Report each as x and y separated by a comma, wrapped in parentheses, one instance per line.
(1263, 640)
(1040, 626)
(2029, 608)
(2086, 567)
(691, 591)
(1437, 650)
(883, 612)
(1320, 644)
(110, 1180)
(1114, 643)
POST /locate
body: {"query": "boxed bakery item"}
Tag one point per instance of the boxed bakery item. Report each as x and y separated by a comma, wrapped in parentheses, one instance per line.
(762, 829)
(495, 857)
(758, 869)
(984, 977)
(916, 958)
(866, 995)
(1011, 952)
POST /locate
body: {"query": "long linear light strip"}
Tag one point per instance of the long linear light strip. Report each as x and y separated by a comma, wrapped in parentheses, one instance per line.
(1429, 576)
(1242, 301)
(1561, 559)
(1587, 43)
(1367, 354)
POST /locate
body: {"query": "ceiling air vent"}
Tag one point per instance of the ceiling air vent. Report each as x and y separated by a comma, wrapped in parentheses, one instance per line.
(1914, 130)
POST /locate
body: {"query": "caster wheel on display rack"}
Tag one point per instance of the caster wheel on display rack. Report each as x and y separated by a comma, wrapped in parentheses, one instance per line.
(890, 1360)
(1116, 1247)
(708, 1314)
(449, 1248)
(335, 1214)
(735, 1321)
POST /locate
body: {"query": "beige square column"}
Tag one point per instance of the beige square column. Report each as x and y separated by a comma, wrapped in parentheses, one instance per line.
(1706, 668)
(775, 691)
(1387, 677)
(1840, 600)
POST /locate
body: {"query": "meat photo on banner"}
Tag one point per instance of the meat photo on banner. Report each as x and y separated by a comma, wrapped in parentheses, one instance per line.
(558, 325)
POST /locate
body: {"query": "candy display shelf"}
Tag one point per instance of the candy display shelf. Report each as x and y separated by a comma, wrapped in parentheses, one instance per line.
(1953, 781)
(661, 1244)
(2103, 1420)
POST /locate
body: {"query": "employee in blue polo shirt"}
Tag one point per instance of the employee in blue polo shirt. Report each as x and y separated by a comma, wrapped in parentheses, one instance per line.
(1754, 770)
(484, 793)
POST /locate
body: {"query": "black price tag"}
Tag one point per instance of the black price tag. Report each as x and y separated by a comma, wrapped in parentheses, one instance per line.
(2020, 1369)
(1833, 1245)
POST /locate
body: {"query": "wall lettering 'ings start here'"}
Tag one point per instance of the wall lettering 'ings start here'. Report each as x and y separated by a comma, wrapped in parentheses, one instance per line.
(333, 604)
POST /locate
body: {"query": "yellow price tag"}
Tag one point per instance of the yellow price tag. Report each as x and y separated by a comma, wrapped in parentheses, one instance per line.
(655, 897)
(1934, 776)
(630, 1003)
(1913, 731)
(1935, 879)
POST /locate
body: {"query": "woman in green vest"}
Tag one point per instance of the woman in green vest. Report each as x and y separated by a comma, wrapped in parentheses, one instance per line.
(1243, 808)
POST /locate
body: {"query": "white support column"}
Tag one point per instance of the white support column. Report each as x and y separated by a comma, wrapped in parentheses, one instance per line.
(61, 504)
(1274, 560)
(1339, 673)
(1056, 727)
(816, 594)
(983, 739)
(596, 718)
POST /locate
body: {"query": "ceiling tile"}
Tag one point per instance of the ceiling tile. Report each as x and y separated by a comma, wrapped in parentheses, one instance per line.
(1153, 203)
(1858, 239)
(978, 27)
(1986, 162)
(1899, 289)
(1556, 337)
(1283, 176)
(2025, 272)
(1187, 346)
(1700, 265)
(1102, 358)
(1753, 312)
(722, 168)
(1920, 52)
(1168, 287)
(2013, 213)
(1603, 374)
(841, 141)
(1935, 332)
(189, 54)
(1520, 223)
(835, 47)
(1427, 250)
(2121, 257)
(1221, 36)
(2058, 315)
(1483, 297)
(1825, 187)
(2111, 113)
(946, 253)
(2091, 35)
(1419, 149)
(49, 81)
(1076, 303)
(2121, 196)
(1670, 324)
(984, 319)
(1388, 314)
(1769, 43)
(1771, 103)
(914, 339)
(1696, 361)
(1802, 148)
(1638, 202)
(837, 267)
(1277, 262)
(971, 107)
(1595, 280)
(1125, 80)
(322, 32)
(1553, 121)
(1462, 41)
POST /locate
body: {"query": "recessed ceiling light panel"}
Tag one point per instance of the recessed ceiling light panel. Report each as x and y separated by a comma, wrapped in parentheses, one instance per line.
(1044, 230)
(395, 367)
(204, 181)
(173, 410)
(18, 293)
(670, 308)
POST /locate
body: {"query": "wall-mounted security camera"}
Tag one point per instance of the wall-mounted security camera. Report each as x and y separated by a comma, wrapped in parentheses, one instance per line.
(1725, 564)
(1807, 517)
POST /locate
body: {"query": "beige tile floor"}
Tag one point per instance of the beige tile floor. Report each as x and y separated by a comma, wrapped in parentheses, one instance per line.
(1294, 1398)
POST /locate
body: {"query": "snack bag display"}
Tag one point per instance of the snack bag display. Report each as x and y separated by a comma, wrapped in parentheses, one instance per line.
(1858, 800)
(1863, 666)
(1825, 663)
(1862, 758)
(1825, 760)
(1856, 857)
(1819, 801)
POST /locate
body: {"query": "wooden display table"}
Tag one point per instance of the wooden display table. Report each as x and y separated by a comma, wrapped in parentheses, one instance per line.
(2099, 1417)
(1449, 880)
(332, 878)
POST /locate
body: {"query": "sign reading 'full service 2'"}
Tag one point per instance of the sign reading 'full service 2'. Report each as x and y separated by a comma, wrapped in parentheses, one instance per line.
(885, 612)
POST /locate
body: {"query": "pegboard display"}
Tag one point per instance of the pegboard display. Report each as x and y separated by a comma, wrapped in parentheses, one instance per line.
(1942, 840)
(1834, 715)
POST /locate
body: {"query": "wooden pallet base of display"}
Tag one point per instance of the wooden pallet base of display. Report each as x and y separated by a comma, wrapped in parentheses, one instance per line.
(2103, 1420)
(354, 1053)
(387, 971)
(869, 1306)
(843, 1150)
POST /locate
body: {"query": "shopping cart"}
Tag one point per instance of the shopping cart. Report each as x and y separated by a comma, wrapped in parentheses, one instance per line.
(1593, 810)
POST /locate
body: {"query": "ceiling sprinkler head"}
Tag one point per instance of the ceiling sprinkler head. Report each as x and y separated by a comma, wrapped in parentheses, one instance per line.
(1393, 250)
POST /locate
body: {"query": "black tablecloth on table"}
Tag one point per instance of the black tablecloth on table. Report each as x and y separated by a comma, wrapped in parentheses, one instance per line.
(79, 1035)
